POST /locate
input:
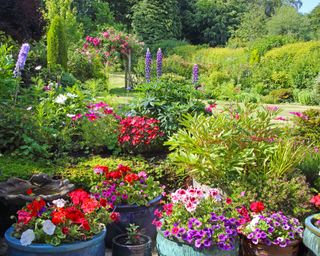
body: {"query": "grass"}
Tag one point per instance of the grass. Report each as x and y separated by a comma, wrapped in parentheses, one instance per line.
(122, 96)
(22, 168)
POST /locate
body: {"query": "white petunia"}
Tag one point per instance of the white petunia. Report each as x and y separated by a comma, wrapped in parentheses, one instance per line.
(27, 237)
(71, 95)
(70, 115)
(60, 203)
(61, 99)
(38, 67)
(48, 227)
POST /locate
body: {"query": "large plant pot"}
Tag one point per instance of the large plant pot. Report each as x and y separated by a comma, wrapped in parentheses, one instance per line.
(311, 236)
(250, 249)
(13, 194)
(139, 215)
(120, 248)
(95, 247)
(168, 247)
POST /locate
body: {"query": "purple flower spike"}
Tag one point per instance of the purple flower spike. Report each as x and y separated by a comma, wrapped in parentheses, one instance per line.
(195, 74)
(148, 65)
(23, 54)
(159, 63)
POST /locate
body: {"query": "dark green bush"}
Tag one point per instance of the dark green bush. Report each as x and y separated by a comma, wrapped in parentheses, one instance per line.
(281, 95)
(310, 167)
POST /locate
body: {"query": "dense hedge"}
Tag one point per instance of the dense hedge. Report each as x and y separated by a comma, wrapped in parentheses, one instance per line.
(269, 64)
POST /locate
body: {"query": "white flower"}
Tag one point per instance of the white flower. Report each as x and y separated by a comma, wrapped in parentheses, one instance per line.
(48, 227)
(72, 96)
(27, 237)
(61, 99)
(38, 67)
(29, 108)
(70, 115)
(254, 222)
(59, 203)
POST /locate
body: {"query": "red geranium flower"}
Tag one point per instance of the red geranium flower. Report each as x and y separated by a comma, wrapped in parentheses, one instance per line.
(115, 216)
(58, 216)
(85, 224)
(24, 217)
(89, 205)
(228, 200)
(29, 191)
(131, 177)
(257, 207)
(78, 196)
(315, 200)
(65, 230)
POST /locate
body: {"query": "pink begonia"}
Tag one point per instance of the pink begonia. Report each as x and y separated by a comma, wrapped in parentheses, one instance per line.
(280, 118)
(273, 108)
(299, 114)
(76, 117)
(91, 117)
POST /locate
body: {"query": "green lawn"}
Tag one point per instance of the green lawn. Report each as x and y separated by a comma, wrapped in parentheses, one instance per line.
(121, 96)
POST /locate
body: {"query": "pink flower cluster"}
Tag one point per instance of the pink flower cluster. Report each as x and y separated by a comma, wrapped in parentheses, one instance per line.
(96, 111)
(210, 108)
(192, 197)
(300, 115)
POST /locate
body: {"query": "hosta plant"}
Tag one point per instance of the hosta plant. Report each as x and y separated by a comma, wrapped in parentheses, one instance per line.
(63, 221)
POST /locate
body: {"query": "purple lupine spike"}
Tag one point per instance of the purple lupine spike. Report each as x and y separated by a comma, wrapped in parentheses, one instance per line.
(159, 63)
(148, 65)
(23, 54)
(195, 74)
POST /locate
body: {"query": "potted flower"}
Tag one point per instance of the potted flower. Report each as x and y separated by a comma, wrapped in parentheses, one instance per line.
(131, 243)
(271, 234)
(73, 227)
(311, 235)
(197, 222)
(134, 196)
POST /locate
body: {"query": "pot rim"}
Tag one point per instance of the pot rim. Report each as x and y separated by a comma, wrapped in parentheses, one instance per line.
(293, 242)
(310, 226)
(148, 241)
(66, 247)
(128, 206)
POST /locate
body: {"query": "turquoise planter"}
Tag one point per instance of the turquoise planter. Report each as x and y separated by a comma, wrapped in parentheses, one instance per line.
(95, 247)
(167, 247)
(311, 236)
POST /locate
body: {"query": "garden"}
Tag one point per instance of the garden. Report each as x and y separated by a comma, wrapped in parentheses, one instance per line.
(170, 128)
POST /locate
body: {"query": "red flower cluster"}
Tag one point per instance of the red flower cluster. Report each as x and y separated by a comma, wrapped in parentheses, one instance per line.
(136, 131)
(315, 200)
(257, 207)
(118, 173)
(129, 178)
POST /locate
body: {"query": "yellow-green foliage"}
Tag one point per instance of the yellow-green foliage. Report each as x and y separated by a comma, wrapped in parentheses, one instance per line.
(56, 44)
(296, 65)
(82, 174)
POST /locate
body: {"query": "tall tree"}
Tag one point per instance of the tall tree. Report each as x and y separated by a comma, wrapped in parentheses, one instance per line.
(314, 18)
(156, 20)
(215, 20)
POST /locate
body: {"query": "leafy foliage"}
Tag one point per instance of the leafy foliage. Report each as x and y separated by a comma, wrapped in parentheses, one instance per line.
(155, 20)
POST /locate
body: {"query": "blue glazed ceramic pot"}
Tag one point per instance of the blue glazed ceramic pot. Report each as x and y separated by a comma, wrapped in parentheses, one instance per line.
(167, 247)
(311, 236)
(95, 247)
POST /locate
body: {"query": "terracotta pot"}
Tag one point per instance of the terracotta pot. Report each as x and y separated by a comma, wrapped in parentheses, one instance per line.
(250, 249)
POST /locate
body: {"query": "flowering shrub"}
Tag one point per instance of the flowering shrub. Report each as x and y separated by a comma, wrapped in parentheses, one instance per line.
(110, 46)
(123, 186)
(138, 133)
(200, 218)
(273, 228)
(62, 221)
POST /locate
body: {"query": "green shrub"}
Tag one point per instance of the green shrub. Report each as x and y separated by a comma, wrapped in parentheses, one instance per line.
(167, 100)
(239, 143)
(102, 133)
(281, 95)
(305, 97)
(289, 194)
(56, 44)
(310, 167)
(168, 46)
(22, 168)
(307, 127)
